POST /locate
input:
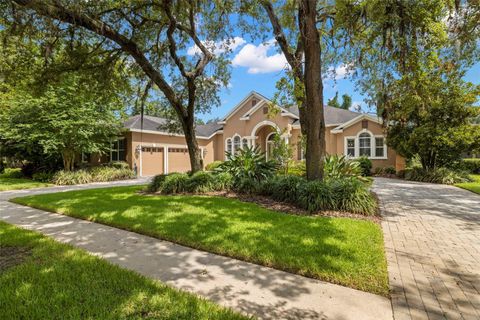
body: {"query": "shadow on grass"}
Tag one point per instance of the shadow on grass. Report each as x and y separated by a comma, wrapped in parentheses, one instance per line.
(59, 282)
(337, 250)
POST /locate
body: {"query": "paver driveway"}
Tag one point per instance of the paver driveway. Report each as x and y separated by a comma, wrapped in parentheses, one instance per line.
(432, 240)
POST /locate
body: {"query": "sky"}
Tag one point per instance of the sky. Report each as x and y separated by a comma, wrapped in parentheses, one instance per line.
(257, 66)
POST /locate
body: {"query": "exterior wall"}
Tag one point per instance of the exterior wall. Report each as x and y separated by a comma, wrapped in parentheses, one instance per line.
(375, 129)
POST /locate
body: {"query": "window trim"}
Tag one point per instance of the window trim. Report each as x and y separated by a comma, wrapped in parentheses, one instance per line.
(117, 151)
(373, 145)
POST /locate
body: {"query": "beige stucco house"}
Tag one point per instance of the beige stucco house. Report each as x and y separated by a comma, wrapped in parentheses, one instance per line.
(152, 150)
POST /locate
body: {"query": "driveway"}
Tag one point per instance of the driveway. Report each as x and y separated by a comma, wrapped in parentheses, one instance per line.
(432, 241)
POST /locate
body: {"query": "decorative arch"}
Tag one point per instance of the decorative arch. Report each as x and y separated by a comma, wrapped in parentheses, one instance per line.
(262, 124)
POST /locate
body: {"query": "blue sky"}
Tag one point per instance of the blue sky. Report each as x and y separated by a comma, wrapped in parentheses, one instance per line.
(257, 67)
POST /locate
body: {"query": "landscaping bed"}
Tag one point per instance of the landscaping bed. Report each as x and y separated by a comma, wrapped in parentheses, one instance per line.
(339, 250)
(12, 180)
(50, 280)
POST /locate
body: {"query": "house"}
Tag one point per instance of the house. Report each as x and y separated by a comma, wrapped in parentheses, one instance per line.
(250, 123)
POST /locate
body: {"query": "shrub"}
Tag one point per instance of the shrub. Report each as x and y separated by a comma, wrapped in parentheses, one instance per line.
(222, 181)
(366, 165)
(284, 188)
(174, 183)
(471, 165)
(14, 173)
(43, 176)
(72, 177)
(213, 165)
(440, 175)
(297, 168)
(117, 165)
(248, 167)
(104, 174)
(156, 183)
(345, 194)
(337, 167)
(200, 182)
(2, 166)
(379, 171)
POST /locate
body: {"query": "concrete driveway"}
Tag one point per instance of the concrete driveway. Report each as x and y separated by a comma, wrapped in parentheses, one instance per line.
(432, 240)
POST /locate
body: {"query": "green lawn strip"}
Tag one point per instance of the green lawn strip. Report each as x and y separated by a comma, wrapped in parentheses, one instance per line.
(339, 250)
(20, 183)
(57, 281)
(472, 186)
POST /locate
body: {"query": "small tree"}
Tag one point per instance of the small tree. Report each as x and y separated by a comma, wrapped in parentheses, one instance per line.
(65, 120)
(282, 152)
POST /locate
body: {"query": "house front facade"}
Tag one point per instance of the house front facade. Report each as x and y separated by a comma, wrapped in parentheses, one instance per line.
(151, 150)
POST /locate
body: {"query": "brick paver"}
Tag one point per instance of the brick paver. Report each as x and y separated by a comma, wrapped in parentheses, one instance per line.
(432, 244)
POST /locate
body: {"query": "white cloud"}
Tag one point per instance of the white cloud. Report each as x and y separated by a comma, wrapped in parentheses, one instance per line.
(339, 72)
(218, 47)
(257, 60)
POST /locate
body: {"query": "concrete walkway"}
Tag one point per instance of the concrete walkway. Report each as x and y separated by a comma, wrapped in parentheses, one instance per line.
(432, 239)
(251, 289)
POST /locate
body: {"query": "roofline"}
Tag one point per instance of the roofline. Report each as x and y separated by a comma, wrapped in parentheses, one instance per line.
(349, 123)
(238, 105)
(168, 133)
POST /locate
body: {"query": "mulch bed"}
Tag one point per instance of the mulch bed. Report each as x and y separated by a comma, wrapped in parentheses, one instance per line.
(11, 256)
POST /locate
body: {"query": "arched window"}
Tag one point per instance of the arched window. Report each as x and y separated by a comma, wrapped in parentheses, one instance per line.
(244, 143)
(365, 144)
(229, 145)
(236, 144)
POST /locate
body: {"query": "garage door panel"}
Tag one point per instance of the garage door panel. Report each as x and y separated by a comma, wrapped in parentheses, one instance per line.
(152, 161)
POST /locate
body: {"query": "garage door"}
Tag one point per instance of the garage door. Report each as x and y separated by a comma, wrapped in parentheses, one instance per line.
(152, 161)
(178, 160)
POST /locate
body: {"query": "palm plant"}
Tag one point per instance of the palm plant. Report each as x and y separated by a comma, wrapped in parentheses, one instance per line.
(339, 166)
(248, 166)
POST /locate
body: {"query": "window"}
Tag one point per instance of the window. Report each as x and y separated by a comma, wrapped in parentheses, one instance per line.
(229, 145)
(117, 152)
(236, 144)
(351, 147)
(364, 145)
(244, 143)
(379, 147)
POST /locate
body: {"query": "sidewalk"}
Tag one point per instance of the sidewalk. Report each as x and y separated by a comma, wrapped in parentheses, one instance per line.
(251, 289)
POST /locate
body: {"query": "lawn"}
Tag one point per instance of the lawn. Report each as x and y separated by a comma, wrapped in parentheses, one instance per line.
(340, 250)
(11, 180)
(472, 186)
(56, 281)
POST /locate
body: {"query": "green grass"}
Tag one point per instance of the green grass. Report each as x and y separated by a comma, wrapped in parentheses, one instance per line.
(20, 183)
(58, 281)
(339, 250)
(472, 186)
(12, 179)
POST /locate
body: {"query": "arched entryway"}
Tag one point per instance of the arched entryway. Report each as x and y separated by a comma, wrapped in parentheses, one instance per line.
(263, 136)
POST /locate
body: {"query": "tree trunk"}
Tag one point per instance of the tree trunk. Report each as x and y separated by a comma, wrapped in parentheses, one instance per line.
(68, 158)
(315, 122)
(196, 160)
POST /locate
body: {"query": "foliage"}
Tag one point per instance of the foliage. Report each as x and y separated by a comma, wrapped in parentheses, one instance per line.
(153, 42)
(339, 166)
(174, 183)
(282, 152)
(472, 165)
(14, 173)
(346, 102)
(345, 194)
(43, 176)
(366, 165)
(439, 175)
(344, 251)
(283, 188)
(66, 119)
(95, 174)
(297, 168)
(379, 171)
(213, 165)
(248, 167)
(91, 287)
(200, 182)
(118, 165)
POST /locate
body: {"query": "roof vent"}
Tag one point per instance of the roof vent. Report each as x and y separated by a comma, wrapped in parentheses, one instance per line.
(254, 102)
